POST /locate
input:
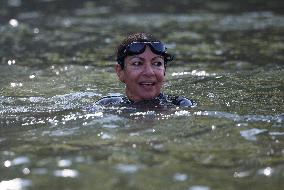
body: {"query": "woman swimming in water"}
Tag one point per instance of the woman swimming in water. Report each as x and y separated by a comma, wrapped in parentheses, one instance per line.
(141, 65)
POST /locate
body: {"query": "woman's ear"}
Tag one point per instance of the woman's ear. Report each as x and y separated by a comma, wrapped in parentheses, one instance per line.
(119, 72)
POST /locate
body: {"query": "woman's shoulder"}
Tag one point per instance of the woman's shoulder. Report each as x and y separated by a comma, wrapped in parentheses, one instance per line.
(110, 100)
(179, 100)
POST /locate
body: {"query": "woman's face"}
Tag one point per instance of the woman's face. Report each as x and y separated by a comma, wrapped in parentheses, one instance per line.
(143, 75)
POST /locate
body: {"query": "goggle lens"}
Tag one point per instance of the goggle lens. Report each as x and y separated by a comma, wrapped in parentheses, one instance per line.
(159, 47)
(139, 47)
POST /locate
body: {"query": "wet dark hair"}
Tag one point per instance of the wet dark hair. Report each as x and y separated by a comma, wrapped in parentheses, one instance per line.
(136, 37)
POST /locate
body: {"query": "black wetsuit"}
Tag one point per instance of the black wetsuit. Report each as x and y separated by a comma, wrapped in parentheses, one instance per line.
(161, 100)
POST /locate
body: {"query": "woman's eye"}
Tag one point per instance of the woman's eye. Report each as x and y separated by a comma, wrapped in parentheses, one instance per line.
(137, 63)
(158, 64)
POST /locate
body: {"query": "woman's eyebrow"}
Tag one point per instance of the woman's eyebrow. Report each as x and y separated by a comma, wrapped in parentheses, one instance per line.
(137, 56)
(143, 59)
(159, 56)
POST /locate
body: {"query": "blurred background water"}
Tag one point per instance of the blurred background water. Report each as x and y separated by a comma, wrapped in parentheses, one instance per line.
(57, 59)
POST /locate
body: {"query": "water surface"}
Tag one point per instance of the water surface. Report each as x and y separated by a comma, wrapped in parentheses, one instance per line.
(56, 64)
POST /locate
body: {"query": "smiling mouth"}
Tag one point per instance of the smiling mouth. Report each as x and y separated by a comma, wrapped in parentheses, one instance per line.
(147, 83)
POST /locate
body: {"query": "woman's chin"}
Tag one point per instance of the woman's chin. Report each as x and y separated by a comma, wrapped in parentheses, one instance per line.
(148, 96)
(143, 95)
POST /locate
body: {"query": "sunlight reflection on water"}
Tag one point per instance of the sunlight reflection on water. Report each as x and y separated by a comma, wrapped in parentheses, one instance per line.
(180, 177)
(17, 161)
(128, 168)
(13, 22)
(66, 173)
(194, 73)
(15, 184)
(199, 187)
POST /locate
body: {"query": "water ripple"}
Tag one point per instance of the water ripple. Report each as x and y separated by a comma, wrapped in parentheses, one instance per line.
(42, 104)
(251, 133)
(236, 117)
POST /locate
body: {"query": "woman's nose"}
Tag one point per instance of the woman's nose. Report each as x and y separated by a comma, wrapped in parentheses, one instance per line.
(148, 69)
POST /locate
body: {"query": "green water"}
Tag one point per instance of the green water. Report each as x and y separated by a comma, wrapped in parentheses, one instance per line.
(57, 59)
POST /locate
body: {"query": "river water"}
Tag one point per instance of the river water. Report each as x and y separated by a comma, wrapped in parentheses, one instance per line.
(57, 59)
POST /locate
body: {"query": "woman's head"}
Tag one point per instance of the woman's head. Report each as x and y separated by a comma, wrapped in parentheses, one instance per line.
(141, 66)
(136, 44)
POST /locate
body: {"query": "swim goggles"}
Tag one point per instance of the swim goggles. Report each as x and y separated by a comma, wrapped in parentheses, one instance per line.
(135, 48)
